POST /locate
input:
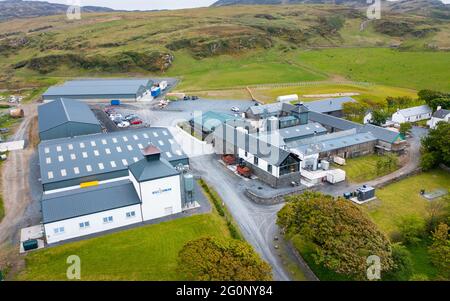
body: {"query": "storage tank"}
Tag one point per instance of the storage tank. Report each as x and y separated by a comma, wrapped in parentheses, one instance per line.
(272, 123)
(287, 98)
(188, 182)
(325, 165)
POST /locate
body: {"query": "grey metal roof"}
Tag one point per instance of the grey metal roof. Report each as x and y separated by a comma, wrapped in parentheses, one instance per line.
(210, 120)
(335, 143)
(414, 111)
(99, 87)
(276, 108)
(441, 113)
(64, 110)
(381, 133)
(70, 204)
(332, 121)
(146, 170)
(302, 130)
(72, 158)
(328, 105)
(253, 144)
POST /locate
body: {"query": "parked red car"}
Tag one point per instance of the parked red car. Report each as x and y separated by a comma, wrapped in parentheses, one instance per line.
(136, 121)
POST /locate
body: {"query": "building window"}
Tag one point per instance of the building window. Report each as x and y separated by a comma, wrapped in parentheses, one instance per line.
(84, 225)
(131, 214)
(255, 160)
(246, 154)
(59, 230)
(269, 168)
(107, 220)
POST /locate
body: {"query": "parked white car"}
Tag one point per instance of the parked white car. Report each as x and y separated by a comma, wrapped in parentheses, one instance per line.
(123, 124)
(235, 109)
(115, 116)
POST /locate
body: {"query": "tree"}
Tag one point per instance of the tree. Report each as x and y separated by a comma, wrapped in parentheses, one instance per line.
(435, 147)
(386, 163)
(343, 237)
(354, 110)
(412, 229)
(211, 259)
(440, 250)
(434, 99)
(438, 211)
(399, 102)
(405, 128)
(379, 117)
(402, 269)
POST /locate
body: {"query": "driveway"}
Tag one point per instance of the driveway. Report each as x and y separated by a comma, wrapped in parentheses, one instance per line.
(256, 222)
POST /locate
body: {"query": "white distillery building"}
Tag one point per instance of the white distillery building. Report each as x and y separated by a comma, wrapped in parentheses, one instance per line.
(151, 190)
(413, 114)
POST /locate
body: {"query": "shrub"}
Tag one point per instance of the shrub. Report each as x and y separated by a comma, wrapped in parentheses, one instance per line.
(211, 259)
(412, 229)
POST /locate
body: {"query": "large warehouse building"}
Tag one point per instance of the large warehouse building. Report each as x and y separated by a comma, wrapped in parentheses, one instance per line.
(66, 118)
(72, 161)
(100, 182)
(101, 90)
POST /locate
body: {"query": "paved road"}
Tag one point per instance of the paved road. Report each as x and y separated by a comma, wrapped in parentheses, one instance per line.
(257, 222)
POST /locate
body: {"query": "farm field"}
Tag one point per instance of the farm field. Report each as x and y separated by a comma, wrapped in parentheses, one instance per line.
(144, 253)
(407, 69)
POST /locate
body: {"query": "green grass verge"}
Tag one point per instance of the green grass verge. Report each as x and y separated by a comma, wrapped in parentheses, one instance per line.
(364, 168)
(221, 209)
(144, 253)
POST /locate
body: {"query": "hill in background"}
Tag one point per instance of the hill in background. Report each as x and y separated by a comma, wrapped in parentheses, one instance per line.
(433, 8)
(11, 9)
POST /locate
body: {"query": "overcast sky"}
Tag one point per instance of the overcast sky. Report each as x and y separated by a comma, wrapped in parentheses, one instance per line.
(146, 4)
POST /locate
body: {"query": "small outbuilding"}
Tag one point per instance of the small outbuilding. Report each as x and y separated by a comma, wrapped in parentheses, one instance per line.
(413, 114)
(66, 118)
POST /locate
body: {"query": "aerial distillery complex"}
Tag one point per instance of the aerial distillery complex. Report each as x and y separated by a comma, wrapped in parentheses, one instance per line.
(94, 180)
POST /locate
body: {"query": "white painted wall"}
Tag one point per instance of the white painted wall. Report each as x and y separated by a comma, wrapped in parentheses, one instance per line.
(399, 118)
(72, 226)
(156, 201)
(432, 123)
(261, 163)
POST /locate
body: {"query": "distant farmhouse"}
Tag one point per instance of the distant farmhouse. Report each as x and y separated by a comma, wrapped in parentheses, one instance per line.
(441, 115)
(101, 89)
(413, 114)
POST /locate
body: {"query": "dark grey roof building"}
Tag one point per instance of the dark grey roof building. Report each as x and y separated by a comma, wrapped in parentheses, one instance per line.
(441, 113)
(100, 89)
(152, 167)
(66, 118)
(331, 106)
(72, 161)
(69, 204)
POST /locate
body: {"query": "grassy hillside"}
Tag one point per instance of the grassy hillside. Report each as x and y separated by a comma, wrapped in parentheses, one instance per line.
(226, 47)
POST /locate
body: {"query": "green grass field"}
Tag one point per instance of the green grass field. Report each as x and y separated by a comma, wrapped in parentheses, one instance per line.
(408, 69)
(363, 169)
(144, 253)
(403, 199)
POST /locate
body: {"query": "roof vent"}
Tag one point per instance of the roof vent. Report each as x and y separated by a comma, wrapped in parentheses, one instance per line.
(151, 152)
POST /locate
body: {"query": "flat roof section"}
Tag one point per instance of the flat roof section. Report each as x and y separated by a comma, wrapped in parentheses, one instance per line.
(72, 158)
